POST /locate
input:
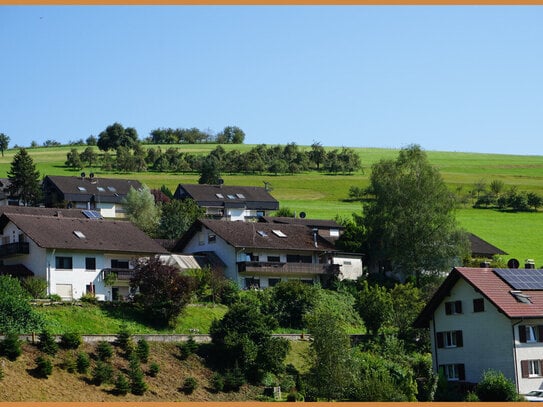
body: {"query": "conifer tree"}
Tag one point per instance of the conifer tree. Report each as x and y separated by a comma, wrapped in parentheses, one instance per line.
(25, 179)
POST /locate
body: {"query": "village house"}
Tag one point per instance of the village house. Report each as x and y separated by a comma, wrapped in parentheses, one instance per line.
(75, 254)
(229, 202)
(104, 195)
(259, 255)
(483, 318)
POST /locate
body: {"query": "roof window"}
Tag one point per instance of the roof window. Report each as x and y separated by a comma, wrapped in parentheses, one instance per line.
(79, 234)
(278, 233)
(240, 196)
(101, 189)
(82, 189)
(520, 297)
(112, 189)
(220, 196)
(262, 233)
(230, 196)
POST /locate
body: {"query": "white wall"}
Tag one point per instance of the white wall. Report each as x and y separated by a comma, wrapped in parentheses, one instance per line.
(487, 336)
(351, 266)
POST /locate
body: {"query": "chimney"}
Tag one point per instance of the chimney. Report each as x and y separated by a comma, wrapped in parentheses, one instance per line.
(58, 214)
(529, 264)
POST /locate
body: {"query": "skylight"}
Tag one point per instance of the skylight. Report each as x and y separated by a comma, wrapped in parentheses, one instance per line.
(79, 234)
(220, 196)
(278, 233)
(520, 297)
(262, 233)
(112, 189)
(230, 196)
(101, 189)
(240, 196)
(82, 188)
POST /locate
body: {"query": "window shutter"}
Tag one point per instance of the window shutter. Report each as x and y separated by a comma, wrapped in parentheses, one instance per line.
(458, 306)
(440, 341)
(448, 308)
(524, 368)
(461, 371)
(459, 339)
(540, 333)
(522, 333)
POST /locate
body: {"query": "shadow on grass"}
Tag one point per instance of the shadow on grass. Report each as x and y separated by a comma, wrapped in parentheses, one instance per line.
(129, 312)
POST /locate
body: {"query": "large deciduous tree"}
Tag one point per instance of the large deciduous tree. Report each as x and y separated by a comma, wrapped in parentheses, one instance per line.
(163, 290)
(410, 221)
(25, 179)
(177, 216)
(4, 143)
(16, 314)
(141, 209)
(115, 136)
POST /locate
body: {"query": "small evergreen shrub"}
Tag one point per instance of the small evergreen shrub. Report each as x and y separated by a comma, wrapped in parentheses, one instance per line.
(104, 350)
(472, 397)
(10, 347)
(36, 287)
(494, 386)
(217, 382)
(102, 373)
(44, 366)
(82, 362)
(189, 385)
(137, 383)
(1, 372)
(142, 350)
(123, 337)
(122, 385)
(233, 380)
(69, 363)
(71, 340)
(47, 343)
(154, 369)
(187, 348)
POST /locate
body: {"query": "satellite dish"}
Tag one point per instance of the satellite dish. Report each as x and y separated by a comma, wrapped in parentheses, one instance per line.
(91, 175)
(302, 215)
(82, 175)
(221, 181)
(513, 264)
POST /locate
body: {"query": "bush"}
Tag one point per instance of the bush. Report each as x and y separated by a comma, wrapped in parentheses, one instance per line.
(89, 298)
(69, 363)
(102, 373)
(233, 380)
(187, 348)
(82, 362)
(1, 373)
(70, 340)
(104, 351)
(10, 347)
(137, 383)
(122, 385)
(472, 397)
(44, 366)
(142, 350)
(123, 337)
(36, 287)
(154, 369)
(217, 382)
(47, 343)
(189, 385)
(494, 386)
(55, 297)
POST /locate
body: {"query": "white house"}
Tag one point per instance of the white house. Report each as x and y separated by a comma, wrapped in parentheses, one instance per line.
(229, 202)
(483, 318)
(261, 254)
(73, 254)
(104, 195)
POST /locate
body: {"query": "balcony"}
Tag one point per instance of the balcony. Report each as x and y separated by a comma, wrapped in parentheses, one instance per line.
(256, 267)
(14, 249)
(117, 274)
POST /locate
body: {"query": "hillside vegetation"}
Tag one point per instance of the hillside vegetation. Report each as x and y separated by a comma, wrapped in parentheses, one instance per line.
(325, 196)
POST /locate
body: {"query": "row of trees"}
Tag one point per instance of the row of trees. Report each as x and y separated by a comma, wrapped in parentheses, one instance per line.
(497, 195)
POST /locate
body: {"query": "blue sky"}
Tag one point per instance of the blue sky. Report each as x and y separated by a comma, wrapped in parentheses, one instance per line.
(450, 78)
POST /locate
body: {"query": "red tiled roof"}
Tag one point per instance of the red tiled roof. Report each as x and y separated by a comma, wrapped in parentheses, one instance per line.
(491, 286)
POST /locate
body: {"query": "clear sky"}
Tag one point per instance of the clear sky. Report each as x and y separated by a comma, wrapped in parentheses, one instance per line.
(450, 78)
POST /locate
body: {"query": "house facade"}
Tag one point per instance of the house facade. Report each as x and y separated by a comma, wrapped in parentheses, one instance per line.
(259, 255)
(76, 256)
(483, 318)
(229, 202)
(104, 195)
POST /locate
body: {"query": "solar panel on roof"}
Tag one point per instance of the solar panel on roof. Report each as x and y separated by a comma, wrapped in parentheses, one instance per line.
(92, 214)
(522, 279)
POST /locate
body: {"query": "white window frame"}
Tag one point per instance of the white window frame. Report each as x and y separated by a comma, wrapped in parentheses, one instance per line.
(451, 372)
(449, 339)
(531, 334)
(534, 368)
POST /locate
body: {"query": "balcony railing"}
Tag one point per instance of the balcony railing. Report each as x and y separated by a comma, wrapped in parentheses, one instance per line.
(257, 267)
(14, 249)
(118, 273)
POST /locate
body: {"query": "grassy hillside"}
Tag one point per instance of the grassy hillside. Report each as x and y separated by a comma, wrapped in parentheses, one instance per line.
(323, 196)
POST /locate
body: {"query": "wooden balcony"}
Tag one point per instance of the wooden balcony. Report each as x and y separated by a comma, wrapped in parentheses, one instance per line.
(120, 274)
(14, 249)
(256, 267)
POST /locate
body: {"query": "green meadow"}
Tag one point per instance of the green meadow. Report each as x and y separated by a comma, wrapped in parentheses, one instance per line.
(324, 196)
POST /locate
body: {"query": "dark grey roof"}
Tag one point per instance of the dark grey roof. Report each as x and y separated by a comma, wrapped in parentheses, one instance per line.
(33, 210)
(85, 189)
(481, 248)
(318, 223)
(228, 196)
(252, 235)
(94, 234)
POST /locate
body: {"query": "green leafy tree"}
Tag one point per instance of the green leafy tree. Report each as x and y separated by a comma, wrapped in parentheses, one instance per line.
(210, 172)
(115, 136)
(231, 135)
(10, 347)
(141, 209)
(163, 290)
(494, 386)
(36, 287)
(25, 179)
(89, 156)
(47, 343)
(73, 159)
(4, 143)
(16, 314)
(374, 305)
(122, 385)
(410, 220)
(317, 154)
(177, 216)
(291, 300)
(331, 366)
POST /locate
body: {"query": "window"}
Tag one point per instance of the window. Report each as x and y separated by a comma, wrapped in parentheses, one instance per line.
(334, 232)
(90, 263)
(220, 196)
(278, 233)
(211, 238)
(82, 189)
(274, 259)
(101, 189)
(449, 339)
(478, 305)
(119, 264)
(454, 372)
(531, 368)
(272, 282)
(112, 189)
(297, 258)
(63, 263)
(530, 333)
(79, 234)
(251, 282)
(240, 196)
(230, 196)
(262, 233)
(453, 307)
